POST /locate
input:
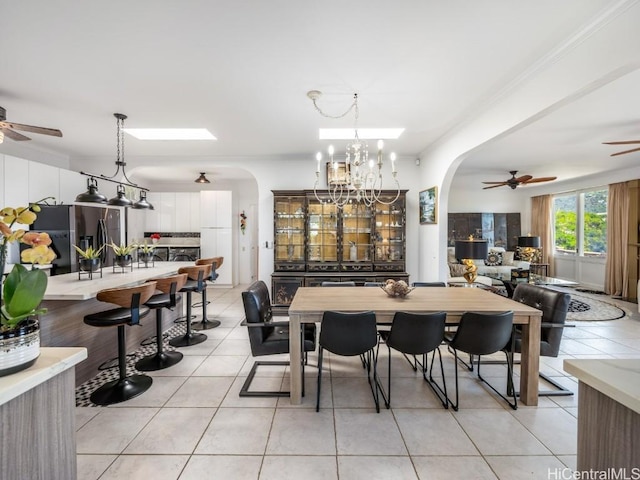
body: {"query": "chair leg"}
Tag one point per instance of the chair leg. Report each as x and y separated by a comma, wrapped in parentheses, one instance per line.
(188, 338)
(455, 365)
(320, 351)
(205, 323)
(441, 392)
(245, 392)
(513, 405)
(160, 359)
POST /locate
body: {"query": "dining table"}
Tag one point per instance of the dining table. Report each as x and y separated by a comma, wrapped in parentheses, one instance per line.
(310, 303)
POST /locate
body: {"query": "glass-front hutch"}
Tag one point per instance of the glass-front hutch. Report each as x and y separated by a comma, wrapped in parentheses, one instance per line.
(316, 240)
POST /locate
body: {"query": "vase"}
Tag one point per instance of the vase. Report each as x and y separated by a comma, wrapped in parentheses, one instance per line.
(19, 347)
(89, 264)
(123, 260)
(145, 257)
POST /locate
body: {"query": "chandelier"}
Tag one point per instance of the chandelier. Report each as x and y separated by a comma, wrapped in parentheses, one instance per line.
(92, 195)
(359, 178)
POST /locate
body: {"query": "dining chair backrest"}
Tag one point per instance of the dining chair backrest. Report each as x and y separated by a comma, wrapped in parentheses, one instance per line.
(257, 309)
(416, 333)
(428, 284)
(338, 284)
(348, 333)
(373, 284)
(554, 306)
(483, 333)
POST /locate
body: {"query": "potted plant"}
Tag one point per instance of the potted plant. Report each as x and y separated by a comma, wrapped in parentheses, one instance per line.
(155, 238)
(145, 253)
(89, 258)
(22, 291)
(122, 253)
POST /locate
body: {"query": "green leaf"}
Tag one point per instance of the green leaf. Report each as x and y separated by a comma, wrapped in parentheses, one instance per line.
(27, 294)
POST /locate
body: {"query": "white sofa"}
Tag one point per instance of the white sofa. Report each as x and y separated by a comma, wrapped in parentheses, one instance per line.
(506, 265)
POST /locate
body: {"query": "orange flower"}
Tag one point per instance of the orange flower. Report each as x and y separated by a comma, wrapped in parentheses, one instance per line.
(41, 254)
(35, 239)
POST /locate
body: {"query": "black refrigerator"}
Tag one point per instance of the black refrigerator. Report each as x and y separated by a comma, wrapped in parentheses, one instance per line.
(81, 225)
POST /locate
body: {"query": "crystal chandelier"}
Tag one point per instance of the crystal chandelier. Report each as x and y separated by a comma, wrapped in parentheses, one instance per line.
(361, 178)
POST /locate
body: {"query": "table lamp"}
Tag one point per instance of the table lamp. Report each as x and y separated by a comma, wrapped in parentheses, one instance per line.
(467, 251)
(528, 246)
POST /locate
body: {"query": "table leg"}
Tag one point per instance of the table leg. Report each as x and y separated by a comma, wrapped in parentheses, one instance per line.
(295, 359)
(530, 362)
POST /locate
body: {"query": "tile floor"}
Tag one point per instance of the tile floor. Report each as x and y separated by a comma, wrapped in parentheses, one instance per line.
(192, 424)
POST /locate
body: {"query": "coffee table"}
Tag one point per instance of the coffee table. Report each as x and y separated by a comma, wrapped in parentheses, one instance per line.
(534, 279)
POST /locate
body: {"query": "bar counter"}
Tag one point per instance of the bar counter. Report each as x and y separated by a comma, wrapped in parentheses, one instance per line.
(69, 299)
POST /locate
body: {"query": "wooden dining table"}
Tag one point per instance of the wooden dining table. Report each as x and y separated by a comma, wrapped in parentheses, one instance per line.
(310, 303)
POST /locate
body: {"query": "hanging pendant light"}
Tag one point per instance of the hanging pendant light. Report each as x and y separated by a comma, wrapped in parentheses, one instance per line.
(91, 195)
(142, 203)
(202, 179)
(120, 200)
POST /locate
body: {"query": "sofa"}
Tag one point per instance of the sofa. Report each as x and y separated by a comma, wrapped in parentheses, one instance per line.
(498, 261)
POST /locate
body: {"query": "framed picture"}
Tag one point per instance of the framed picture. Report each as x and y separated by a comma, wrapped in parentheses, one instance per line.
(429, 206)
(337, 176)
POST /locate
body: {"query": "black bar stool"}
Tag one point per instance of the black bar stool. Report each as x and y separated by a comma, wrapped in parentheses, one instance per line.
(130, 312)
(195, 283)
(205, 323)
(167, 299)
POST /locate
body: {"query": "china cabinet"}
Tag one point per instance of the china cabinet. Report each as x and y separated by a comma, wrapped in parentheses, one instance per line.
(316, 241)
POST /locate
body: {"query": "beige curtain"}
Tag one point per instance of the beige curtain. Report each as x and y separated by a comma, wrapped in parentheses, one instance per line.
(616, 280)
(541, 226)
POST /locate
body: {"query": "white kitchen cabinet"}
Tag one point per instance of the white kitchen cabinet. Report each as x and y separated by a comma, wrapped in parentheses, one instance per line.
(183, 219)
(216, 209)
(3, 202)
(167, 211)
(16, 181)
(194, 212)
(217, 242)
(44, 181)
(71, 185)
(152, 217)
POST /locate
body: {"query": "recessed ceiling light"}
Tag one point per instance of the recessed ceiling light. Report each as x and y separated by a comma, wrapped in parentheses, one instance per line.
(170, 133)
(363, 133)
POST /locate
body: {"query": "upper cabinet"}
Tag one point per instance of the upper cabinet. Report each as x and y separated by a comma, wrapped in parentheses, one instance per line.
(216, 209)
(173, 212)
(312, 235)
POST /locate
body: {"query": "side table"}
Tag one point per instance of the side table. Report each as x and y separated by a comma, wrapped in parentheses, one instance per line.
(539, 269)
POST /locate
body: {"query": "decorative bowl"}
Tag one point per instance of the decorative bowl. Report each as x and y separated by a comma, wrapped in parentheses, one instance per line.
(396, 288)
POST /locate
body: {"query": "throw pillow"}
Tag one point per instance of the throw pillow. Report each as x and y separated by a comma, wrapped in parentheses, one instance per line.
(508, 258)
(457, 269)
(493, 259)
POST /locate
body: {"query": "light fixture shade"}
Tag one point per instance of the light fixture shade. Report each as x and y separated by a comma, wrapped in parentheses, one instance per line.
(202, 179)
(120, 200)
(529, 241)
(471, 249)
(142, 204)
(91, 195)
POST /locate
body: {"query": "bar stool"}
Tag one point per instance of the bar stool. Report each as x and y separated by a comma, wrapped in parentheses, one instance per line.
(130, 311)
(205, 323)
(195, 283)
(167, 299)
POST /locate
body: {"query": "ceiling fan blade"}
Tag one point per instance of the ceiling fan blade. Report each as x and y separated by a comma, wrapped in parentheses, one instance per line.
(540, 179)
(524, 178)
(489, 183)
(14, 135)
(625, 142)
(30, 128)
(502, 184)
(625, 151)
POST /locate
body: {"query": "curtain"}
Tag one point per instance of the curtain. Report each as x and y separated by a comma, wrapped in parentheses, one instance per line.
(542, 225)
(616, 280)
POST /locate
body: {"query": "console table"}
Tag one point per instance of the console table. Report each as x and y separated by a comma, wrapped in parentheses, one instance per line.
(37, 417)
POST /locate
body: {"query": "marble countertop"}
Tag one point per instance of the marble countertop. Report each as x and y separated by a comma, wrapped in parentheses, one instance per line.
(618, 379)
(69, 287)
(51, 362)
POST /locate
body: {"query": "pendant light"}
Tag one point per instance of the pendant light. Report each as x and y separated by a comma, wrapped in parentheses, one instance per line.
(91, 195)
(202, 179)
(120, 200)
(142, 203)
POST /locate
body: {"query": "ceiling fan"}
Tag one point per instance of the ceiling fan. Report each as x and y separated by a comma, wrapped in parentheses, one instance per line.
(624, 142)
(514, 181)
(8, 129)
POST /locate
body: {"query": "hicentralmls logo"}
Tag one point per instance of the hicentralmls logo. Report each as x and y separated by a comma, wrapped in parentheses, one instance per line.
(607, 474)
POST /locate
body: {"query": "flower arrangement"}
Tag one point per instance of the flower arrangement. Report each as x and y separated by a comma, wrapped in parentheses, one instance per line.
(23, 289)
(243, 222)
(155, 237)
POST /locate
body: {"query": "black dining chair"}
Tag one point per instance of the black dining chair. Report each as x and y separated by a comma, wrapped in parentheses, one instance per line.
(373, 284)
(483, 334)
(268, 337)
(337, 284)
(350, 334)
(428, 284)
(418, 334)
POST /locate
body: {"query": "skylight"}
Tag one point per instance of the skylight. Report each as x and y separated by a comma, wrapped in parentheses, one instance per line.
(170, 133)
(363, 133)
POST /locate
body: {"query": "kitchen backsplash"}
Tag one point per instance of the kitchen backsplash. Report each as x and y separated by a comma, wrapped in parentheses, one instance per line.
(176, 238)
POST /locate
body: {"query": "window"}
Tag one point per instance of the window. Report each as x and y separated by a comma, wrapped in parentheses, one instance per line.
(581, 223)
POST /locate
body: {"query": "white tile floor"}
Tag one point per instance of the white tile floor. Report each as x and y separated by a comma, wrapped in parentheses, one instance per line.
(192, 424)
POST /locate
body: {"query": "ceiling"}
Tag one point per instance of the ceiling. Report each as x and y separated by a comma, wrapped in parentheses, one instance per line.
(242, 71)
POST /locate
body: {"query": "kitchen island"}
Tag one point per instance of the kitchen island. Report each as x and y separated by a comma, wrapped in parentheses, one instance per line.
(69, 299)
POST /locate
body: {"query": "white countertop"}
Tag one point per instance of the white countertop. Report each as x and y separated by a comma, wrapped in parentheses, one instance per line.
(618, 379)
(68, 287)
(51, 362)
